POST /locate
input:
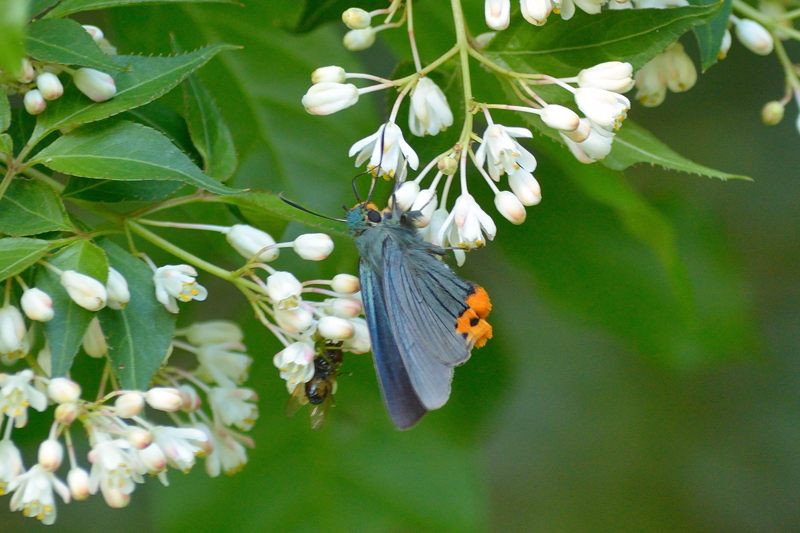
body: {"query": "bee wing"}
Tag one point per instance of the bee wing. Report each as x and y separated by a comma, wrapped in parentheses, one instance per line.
(398, 393)
(424, 299)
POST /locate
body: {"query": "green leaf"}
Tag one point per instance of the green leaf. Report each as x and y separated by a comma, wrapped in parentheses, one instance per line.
(110, 191)
(144, 80)
(634, 144)
(6, 143)
(564, 47)
(13, 17)
(123, 151)
(139, 335)
(209, 132)
(267, 210)
(317, 12)
(709, 35)
(29, 208)
(64, 333)
(65, 42)
(37, 6)
(17, 254)
(5, 111)
(67, 7)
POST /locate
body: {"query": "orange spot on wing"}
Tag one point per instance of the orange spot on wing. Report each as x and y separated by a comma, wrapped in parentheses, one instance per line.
(471, 323)
(480, 302)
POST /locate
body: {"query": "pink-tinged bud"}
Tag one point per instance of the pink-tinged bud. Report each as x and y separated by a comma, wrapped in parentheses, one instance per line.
(357, 40)
(49, 85)
(84, 290)
(331, 74)
(117, 288)
(26, 71)
(754, 36)
(94, 340)
(497, 13)
(37, 305)
(327, 97)
(153, 459)
(190, 400)
(115, 498)
(294, 320)
(560, 118)
(78, 483)
(313, 246)
(525, 187)
(345, 284)
(63, 390)
(510, 207)
(252, 243)
(359, 342)
(335, 328)
(50, 455)
(98, 86)
(164, 399)
(94, 31)
(536, 11)
(345, 307)
(356, 18)
(34, 102)
(405, 195)
(139, 438)
(66, 413)
(129, 404)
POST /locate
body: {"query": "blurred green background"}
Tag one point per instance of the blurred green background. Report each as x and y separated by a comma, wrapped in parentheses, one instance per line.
(604, 402)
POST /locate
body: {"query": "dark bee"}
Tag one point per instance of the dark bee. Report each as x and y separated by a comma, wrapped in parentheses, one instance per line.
(320, 389)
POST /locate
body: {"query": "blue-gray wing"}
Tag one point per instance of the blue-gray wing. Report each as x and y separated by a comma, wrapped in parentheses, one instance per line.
(424, 299)
(398, 393)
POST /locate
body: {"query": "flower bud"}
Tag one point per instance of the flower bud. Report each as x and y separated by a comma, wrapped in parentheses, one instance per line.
(754, 36)
(328, 97)
(294, 320)
(536, 11)
(331, 74)
(345, 307)
(153, 459)
(482, 40)
(97, 85)
(129, 404)
(139, 438)
(356, 18)
(335, 328)
(525, 187)
(425, 204)
(345, 284)
(66, 413)
(117, 288)
(12, 331)
(405, 194)
(681, 74)
(94, 340)
(84, 290)
(447, 165)
(37, 304)
(34, 102)
(560, 118)
(78, 483)
(63, 390)
(313, 246)
(190, 400)
(725, 45)
(94, 31)
(115, 498)
(357, 40)
(284, 290)
(252, 243)
(510, 207)
(772, 113)
(49, 85)
(164, 399)
(497, 13)
(214, 332)
(613, 76)
(26, 71)
(359, 342)
(50, 455)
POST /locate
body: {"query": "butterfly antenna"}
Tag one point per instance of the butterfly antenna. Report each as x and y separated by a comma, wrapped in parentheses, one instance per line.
(307, 210)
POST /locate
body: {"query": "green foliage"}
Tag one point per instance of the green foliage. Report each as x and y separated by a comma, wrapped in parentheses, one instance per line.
(30, 208)
(64, 333)
(316, 12)
(123, 151)
(140, 335)
(65, 42)
(13, 16)
(68, 7)
(709, 35)
(17, 254)
(5, 111)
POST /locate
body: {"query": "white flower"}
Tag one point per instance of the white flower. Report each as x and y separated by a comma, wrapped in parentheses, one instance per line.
(78, 483)
(594, 147)
(725, 45)
(510, 207)
(651, 83)
(356, 18)
(112, 467)
(592, 7)
(502, 153)
(84, 290)
(470, 222)
(387, 152)
(660, 4)
(180, 445)
(233, 406)
(345, 284)
(12, 332)
(94, 340)
(681, 74)
(66, 413)
(49, 85)
(613, 76)
(445, 236)
(227, 455)
(252, 243)
(214, 332)
(17, 393)
(51, 452)
(536, 11)
(335, 328)
(425, 205)
(97, 85)
(164, 399)
(33, 494)
(331, 74)
(429, 112)
(359, 39)
(405, 194)
(177, 282)
(117, 288)
(560, 118)
(313, 246)
(63, 390)
(359, 343)
(222, 364)
(497, 13)
(525, 187)
(10, 464)
(151, 459)
(604, 108)
(296, 364)
(284, 290)
(37, 305)
(326, 98)
(295, 320)
(34, 102)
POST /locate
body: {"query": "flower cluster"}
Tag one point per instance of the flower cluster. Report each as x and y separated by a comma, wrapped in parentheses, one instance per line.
(587, 129)
(206, 407)
(38, 81)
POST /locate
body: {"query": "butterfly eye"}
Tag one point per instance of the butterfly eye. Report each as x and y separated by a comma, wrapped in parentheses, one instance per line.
(373, 216)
